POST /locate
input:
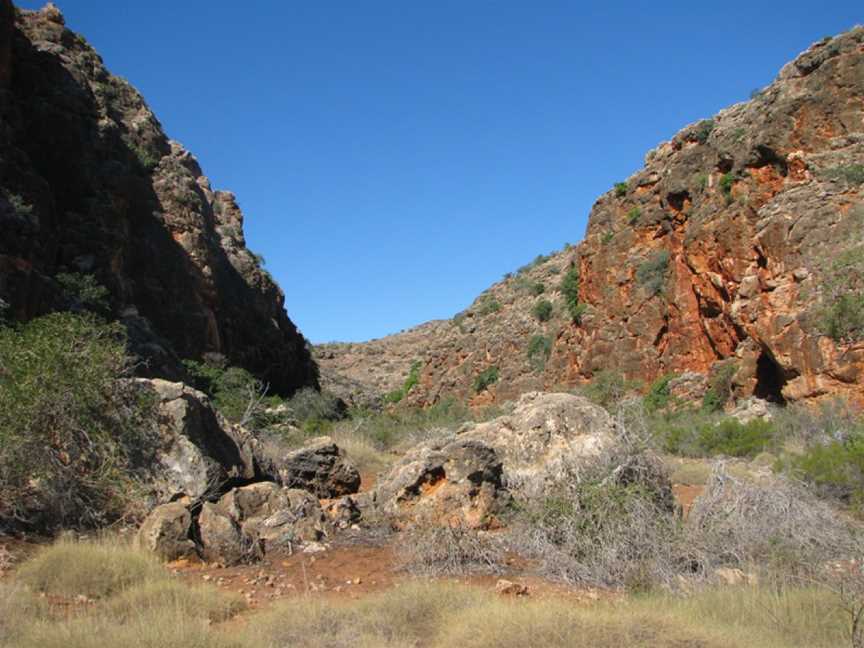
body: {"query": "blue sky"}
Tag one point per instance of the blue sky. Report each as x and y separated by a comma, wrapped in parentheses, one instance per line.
(394, 159)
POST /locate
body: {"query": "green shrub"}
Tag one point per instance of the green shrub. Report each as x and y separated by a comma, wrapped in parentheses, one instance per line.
(620, 189)
(633, 215)
(309, 404)
(652, 274)
(487, 306)
(570, 290)
(539, 350)
(691, 435)
(412, 379)
(843, 321)
(719, 388)
(704, 130)
(233, 390)
(852, 174)
(835, 467)
(607, 237)
(71, 431)
(83, 290)
(658, 395)
(608, 387)
(538, 288)
(542, 310)
(702, 181)
(485, 379)
(732, 438)
(146, 159)
(22, 207)
(727, 181)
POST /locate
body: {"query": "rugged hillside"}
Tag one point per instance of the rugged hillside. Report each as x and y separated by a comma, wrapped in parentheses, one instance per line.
(738, 244)
(91, 185)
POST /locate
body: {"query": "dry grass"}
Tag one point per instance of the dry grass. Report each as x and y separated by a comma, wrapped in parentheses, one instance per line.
(401, 617)
(441, 615)
(199, 601)
(437, 550)
(156, 628)
(95, 568)
(159, 611)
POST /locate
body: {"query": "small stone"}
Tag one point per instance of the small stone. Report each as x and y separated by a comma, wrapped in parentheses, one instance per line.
(509, 588)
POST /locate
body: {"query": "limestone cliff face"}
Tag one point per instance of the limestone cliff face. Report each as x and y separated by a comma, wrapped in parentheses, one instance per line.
(719, 250)
(90, 184)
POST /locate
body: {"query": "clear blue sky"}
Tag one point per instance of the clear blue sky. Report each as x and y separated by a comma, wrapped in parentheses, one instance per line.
(395, 158)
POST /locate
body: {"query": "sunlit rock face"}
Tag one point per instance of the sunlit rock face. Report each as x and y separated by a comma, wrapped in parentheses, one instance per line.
(722, 249)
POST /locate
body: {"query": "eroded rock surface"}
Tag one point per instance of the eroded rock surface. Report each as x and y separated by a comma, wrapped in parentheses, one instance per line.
(450, 481)
(250, 521)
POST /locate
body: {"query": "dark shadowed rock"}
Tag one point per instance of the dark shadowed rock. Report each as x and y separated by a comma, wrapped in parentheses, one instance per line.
(92, 185)
(320, 467)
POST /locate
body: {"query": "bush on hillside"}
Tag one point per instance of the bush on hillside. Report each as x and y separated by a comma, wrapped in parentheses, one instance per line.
(71, 429)
(658, 395)
(539, 349)
(652, 273)
(570, 290)
(485, 379)
(688, 436)
(543, 310)
(720, 385)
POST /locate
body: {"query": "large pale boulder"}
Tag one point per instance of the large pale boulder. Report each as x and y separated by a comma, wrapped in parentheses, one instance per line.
(165, 532)
(452, 481)
(199, 450)
(545, 433)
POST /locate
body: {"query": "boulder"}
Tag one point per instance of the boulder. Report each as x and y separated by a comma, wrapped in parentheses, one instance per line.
(221, 540)
(750, 409)
(250, 521)
(199, 450)
(545, 434)
(449, 481)
(319, 467)
(165, 532)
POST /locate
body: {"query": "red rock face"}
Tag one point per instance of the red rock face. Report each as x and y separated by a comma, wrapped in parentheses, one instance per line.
(90, 184)
(718, 250)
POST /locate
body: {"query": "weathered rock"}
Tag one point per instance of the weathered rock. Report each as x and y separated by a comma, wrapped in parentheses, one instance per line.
(166, 530)
(509, 588)
(343, 512)
(544, 435)
(250, 521)
(100, 189)
(221, 540)
(199, 452)
(452, 481)
(750, 409)
(320, 467)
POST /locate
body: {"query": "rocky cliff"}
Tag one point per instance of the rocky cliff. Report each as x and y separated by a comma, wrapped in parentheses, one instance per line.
(738, 244)
(91, 189)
